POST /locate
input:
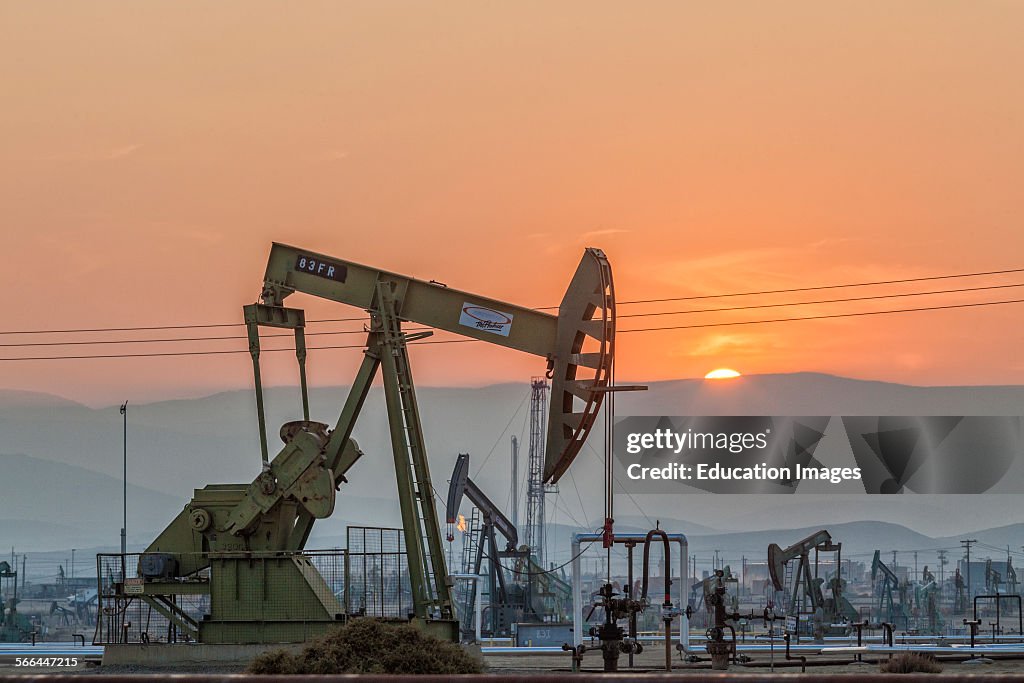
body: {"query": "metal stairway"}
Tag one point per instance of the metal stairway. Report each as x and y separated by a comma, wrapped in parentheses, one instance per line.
(467, 590)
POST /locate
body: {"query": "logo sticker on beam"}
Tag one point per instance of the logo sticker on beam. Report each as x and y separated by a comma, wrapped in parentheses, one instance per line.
(485, 319)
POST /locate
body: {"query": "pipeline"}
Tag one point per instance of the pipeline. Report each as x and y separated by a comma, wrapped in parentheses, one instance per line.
(999, 597)
(667, 604)
(888, 631)
(860, 626)
(668, 564)
(578, 622)
(789, 657)
(974, 630)
(577, 655)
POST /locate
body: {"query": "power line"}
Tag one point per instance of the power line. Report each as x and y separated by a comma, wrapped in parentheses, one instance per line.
(597, 457)
(543, 571)
(178, 339)
(583, 508)
(466, 341)
(565, 508)
(421, 329)
(545, 308)
(990, 547)
(215, 353)
(487, 457)
(826, 317)
(820, 287)
(821, 301)
(164, 327)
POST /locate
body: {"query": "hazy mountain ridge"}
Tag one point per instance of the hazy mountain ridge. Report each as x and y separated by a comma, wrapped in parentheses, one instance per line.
(11, 399)
(809, 393)
(54, 504)
(178, 445)
(49, 505)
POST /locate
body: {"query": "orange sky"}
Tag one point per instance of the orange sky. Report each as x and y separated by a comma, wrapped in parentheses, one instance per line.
(150, 152)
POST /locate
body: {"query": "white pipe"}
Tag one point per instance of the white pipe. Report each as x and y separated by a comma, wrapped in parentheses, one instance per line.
(577, 588)
(681, 585)
(533, 650)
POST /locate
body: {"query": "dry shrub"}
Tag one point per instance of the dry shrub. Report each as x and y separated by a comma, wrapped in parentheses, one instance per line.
(274, 662)
(912, 662)
(368, 646)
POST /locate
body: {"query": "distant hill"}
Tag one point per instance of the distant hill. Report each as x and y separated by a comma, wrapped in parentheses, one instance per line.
(48, 504)
(639, 522)
(809, 393)
(176, 446)
(858, 538)
(15, 399)
(1012, 534)
(40, 536)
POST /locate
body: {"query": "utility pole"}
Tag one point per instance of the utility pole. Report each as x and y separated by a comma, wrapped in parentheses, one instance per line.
(942, 565)
(743, 573)
(967, 544)
(124, 494)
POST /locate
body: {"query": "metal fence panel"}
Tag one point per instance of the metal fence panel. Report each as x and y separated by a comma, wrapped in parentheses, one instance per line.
(378, 576)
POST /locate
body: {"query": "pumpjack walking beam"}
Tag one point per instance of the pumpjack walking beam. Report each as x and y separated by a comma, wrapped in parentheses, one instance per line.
(580, 376)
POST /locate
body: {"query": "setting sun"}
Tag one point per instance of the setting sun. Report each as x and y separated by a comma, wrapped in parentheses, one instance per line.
(722, 373)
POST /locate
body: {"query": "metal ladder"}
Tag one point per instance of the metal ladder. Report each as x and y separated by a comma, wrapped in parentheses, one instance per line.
(789, 590)
(468, 589)
(471, 540)
(431, 594)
